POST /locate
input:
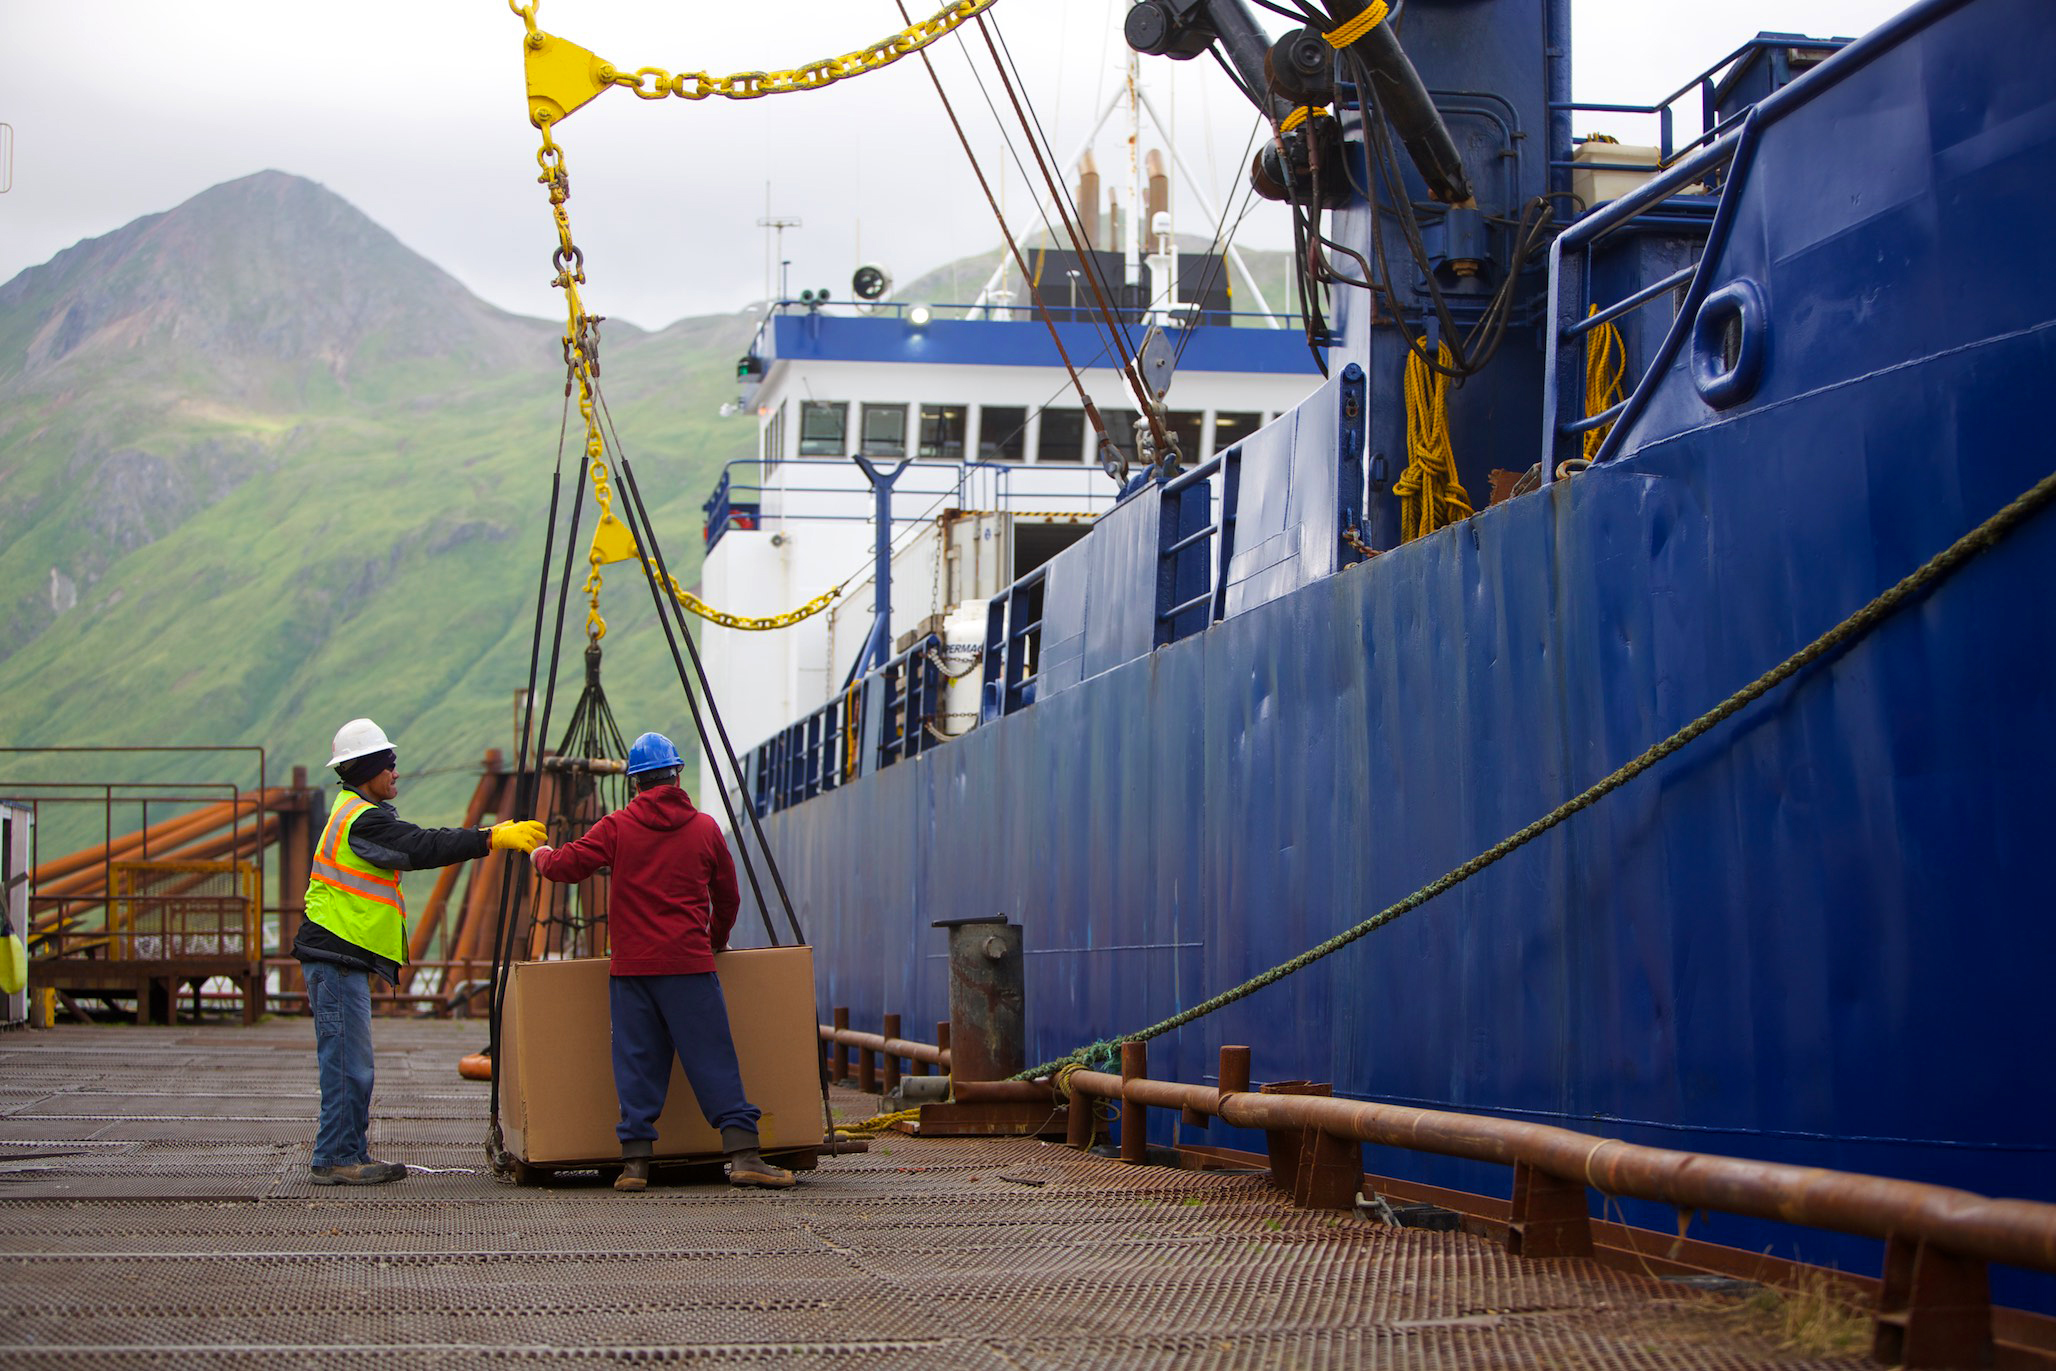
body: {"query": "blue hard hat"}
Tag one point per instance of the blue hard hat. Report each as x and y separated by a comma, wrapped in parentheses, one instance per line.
(652, 752)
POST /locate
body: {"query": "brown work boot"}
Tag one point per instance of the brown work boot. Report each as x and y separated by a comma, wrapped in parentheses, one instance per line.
(635, 1167)
(367, 1172)
(748, 1168)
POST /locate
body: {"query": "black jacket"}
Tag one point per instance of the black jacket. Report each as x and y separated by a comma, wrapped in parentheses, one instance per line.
(380, 836)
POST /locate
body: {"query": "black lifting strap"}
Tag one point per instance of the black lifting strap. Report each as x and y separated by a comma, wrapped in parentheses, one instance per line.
(645, 540)
(591, 733)
(706, 694)
(525, 779)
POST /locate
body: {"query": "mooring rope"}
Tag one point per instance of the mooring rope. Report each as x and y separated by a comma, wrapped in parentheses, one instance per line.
(1104, 1054)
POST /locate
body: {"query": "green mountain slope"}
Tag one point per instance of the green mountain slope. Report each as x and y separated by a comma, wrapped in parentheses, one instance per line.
(263, 469)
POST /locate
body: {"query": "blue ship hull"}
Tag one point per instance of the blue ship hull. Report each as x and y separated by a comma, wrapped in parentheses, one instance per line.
(1822, 934)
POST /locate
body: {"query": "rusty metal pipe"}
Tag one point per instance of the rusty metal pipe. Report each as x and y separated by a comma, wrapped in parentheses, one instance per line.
(878, 1042)
(81, 871)
(592, 766)
(891, 1060)
(2016, 1232)
(1000, 1092)
(1198, 1099)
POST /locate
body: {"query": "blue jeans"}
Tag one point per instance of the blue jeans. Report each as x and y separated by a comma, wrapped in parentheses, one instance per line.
(341, 1001)
(656, 1017)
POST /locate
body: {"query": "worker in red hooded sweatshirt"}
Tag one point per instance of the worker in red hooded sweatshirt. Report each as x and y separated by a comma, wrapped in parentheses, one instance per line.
(672, 904)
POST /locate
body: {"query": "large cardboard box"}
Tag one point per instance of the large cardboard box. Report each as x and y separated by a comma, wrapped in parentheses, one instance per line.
(557, 1101)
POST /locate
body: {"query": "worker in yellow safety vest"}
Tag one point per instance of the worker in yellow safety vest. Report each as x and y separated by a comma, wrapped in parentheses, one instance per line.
(356, 927)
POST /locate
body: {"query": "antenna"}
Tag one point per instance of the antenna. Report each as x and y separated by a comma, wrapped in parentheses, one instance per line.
(6, 158)
(778, 226)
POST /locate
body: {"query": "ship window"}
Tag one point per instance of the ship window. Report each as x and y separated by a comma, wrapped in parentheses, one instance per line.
(822, 427)
(942, 432)
(1002, 433)
(885, 430)
(774, 437)
(1232, 428)
(1186, 426)
(1063, 436)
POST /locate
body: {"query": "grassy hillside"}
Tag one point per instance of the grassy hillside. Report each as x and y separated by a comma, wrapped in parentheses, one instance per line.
(264, 469)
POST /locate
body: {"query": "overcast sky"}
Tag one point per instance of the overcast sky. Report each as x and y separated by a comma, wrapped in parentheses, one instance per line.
(413, 111)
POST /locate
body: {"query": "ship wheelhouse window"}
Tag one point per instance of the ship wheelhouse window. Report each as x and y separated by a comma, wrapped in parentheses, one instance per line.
(942, 432)
(1003, 433)
(1063, 436)
(824, 425)
(1186, 426)
(885, 430)
(1231, 428)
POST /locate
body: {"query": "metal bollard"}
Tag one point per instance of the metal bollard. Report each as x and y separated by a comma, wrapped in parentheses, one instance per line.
(1134, 1117)
(987, 1038)
(1233, 1075)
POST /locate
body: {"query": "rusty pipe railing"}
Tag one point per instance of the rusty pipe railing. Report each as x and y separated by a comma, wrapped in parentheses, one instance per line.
(926, 1053)
(2015, 1232)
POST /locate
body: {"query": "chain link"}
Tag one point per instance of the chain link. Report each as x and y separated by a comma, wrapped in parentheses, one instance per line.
(655, 83)
(743, 621)
(611, 540)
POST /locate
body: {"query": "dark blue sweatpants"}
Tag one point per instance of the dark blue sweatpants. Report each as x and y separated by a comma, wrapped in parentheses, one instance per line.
(656, 1017)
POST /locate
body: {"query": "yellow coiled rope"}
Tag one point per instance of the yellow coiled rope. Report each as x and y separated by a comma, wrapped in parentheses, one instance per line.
(1345, 34)
(876, 1124)
(1338, 38)
(1430, 495)
(1606, 366)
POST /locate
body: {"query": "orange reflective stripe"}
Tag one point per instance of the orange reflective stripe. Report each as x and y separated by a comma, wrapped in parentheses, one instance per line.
(326, 867)
(391, 882)
(342, 875)
(391, 899)
(339, 821)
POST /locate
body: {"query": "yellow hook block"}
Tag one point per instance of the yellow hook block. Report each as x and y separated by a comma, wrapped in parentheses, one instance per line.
(561, 77)
(612, 542)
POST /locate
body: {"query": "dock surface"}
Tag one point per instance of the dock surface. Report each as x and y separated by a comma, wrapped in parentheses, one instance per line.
(155, 1209)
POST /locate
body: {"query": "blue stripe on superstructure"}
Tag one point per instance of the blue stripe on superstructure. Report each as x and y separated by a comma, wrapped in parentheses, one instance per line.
(1020, 343)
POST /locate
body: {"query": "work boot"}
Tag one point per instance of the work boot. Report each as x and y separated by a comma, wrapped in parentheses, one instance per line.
(747, 1167)
(635, 1167)
(370, 1171)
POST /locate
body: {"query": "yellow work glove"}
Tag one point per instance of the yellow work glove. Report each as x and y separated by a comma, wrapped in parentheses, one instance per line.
(519, 835)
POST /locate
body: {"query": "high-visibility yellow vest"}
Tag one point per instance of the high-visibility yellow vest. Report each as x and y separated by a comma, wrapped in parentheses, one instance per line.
(350, 897)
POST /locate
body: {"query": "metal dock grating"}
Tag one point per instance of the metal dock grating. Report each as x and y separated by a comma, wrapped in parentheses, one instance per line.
(155, 1210)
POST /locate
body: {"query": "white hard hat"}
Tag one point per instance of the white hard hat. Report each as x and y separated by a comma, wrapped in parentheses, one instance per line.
(359, 738)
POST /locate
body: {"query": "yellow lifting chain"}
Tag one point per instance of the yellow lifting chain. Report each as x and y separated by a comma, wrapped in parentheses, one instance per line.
(562, 76)
(612, 542)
